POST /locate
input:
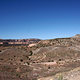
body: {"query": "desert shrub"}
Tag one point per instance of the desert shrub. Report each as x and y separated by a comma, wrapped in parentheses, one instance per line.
(37, 47)
(14, 56)
(59, 59)
(52, 60)
(31, 53)
(21, 60)
(11, 59)
(48, 67)
(1, 58)
(48, 60)
(27, 56)
(27, 63)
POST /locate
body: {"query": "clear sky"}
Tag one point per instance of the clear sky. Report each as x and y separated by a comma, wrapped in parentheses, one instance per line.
(42, 19)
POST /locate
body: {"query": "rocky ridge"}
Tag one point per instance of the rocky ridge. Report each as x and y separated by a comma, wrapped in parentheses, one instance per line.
(19, 41)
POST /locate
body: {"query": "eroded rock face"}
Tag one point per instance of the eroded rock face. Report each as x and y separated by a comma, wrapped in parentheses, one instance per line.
(44, 49)
(75, 40)
(20, 41)
(30, 45)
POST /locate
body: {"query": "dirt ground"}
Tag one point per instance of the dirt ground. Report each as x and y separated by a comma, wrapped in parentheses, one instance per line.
(76, 77)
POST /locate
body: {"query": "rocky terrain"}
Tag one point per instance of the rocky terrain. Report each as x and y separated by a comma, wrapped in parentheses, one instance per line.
(54, 59)
(18, 41)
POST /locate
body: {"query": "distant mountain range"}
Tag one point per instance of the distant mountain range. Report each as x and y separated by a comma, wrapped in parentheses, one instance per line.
(57, 41)
(19, 41)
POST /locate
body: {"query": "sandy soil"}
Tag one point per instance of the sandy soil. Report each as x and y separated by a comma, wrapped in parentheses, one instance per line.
(76, 77)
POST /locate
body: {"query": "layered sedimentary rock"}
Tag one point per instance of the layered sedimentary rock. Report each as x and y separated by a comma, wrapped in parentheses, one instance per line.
(19, 41)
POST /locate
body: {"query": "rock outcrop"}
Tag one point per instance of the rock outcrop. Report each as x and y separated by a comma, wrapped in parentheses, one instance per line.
(19, 41)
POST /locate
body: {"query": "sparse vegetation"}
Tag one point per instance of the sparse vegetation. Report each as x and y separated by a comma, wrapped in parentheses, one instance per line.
(60, 77)
(24, 64)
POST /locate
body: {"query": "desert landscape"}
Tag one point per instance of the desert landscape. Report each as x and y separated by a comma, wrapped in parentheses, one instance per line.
(39, 39)
(53, 59)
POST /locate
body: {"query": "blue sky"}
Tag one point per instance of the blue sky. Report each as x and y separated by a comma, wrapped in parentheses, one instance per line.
(43, 19)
